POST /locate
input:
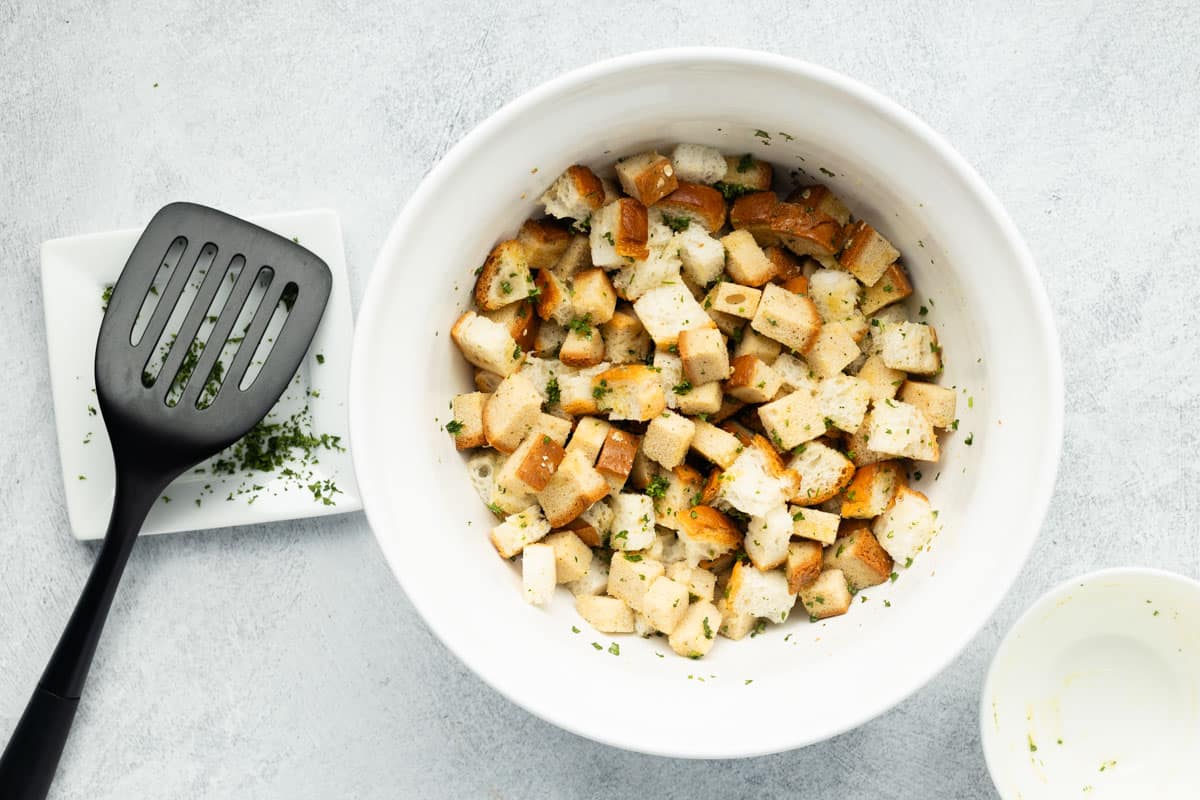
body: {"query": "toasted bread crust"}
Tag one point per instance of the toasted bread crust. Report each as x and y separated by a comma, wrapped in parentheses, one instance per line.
(632, 229)
(806, 233)
(698, 200)
(787, 266)
(819, 198)
(490, 272)
(540, 463)
(752, 212)
(590, 188)
(617, 454)
(544, 242)
(706, 524)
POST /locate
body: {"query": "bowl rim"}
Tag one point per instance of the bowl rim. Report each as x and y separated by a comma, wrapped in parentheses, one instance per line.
(988, 742)
(1041, 317)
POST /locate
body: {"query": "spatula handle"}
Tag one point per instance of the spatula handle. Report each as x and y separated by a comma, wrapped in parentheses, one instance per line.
(29, 761)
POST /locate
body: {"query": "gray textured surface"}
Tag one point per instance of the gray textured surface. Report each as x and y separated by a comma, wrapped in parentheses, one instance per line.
(284, 661)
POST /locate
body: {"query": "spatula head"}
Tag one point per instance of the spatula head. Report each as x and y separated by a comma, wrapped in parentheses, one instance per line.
(192, 353)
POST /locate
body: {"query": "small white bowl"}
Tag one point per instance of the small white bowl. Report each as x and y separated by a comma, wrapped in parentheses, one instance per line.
(1094, 692)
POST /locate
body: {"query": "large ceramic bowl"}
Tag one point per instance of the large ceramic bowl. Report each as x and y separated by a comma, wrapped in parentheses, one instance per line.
(800, 682)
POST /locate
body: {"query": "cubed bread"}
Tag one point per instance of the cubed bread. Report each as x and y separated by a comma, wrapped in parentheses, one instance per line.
(806, 233)
(860, 558)
(734, 625)
(520, 321)
(857, 449)
(789, 271)
(911, 347)
(937, 403)
(482, 466)
(633, 522)
(668, 437)
(767, 538)
(827, 596)
(511, 412)
(823, 473)
(466, 424)
(486, 344)
(795, 373)
(866, 254)
(733, 299)
(793, 419)
(665, 604)
(594, 582)
(648, 177)
(629, 391)
(872, 489)
(836, 296)
(504, 277)
(900, 429)
(574, 486)
(698, 163)
(583, 347)
(575, 391)
(818, 198)
(544, 242)
(537, 573)
(696, 631)
(575, 194)
(906, 526)
(575, 258)
(702, 399)
(701, 584)
(549, 338)
(638, 277)
(667, 311)
(757, 481)
(812, 523)
(625, 339)
(692, 204)
(486, 382)
(745, 174)
(553, 298)
(843, 400)
(518, 530)
(720, 447)
(832, 350)
(704, 355)
(803, 565)
(752, 381)
(670, 375)
(616, 457)
(706, 534)
(882, 380)
(557, 428)
(790, 319)
(892, 287)
(680, 488)
(752, 213)
(630, 576)
(619, 233)
(605, 614)
(533, 463)
(702, 257)
(598, 517)
(571, 556)
(752, 343)
(745, 261)
(758, 593)
(594, 297)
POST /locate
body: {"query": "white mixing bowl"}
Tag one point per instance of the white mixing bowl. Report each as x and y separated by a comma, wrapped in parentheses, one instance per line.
(800, 682)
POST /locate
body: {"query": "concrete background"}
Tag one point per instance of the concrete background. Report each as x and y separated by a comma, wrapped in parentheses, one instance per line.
(283, 661)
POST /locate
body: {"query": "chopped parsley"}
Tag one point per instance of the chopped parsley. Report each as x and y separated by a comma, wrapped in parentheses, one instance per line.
(320, 358)
(745, 163)
(658, 486)
(553, 392)
(454, 427)
(970, 440)
(581, 325)
(615, 649)
(609, 237)
(683, 387)
(675, 223)
(762, 134)
(732, 191)
(708, 632)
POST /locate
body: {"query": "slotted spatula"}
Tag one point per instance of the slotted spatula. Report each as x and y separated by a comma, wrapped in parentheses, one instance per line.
(163, 423)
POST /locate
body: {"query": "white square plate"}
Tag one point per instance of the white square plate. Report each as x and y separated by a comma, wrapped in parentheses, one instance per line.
(75, 272)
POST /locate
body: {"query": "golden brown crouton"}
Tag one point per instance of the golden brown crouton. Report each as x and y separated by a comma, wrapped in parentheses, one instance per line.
(892, 287)
(648, 177)
(693, 203)
(752, 213)
(544, 242)
(818, 198)
(504, 277)
(860, 558)
(806, 233)
(803, 564)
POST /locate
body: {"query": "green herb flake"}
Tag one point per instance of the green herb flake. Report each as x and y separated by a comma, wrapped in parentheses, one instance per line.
(454, 427)
(658, 487)
(615, 649)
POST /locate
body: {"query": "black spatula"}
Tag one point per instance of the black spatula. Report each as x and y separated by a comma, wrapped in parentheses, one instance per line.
(170, 401)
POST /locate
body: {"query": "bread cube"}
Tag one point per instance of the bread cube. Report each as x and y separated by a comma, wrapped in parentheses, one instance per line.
(757, 481)
(818, 198)
(752, 343)
(734, 625)
(594, 581)
(860, 558)
(704, 355)
(758, 593)
(795, 373)
(575, 390)
(857, 449)
(574, 486)
(519, 320)
(619, 233)
(629, 391)
(633, 522)
(630, 576)
(665, 604)
(667, 311)
(702, 257)
(511, 413)
(544, 242)
(733, 299)
(625, 340)
(532, 464)
(518, 530)
(598, 517)
(706, 534)
(482, 466)
(767, 538)
(911, 347)
(823, 473)
(549, 338)
(804, 232)
(866, 254)
(702, 399)
(752, 380)
(803, 565)
(718, 446)
(690, 204)
(588, 437)
(892, 287)
(537, 573)
(906, 526)
(828, 596)
(486, 344)
(572, 556)
(937, 403)
(843, 400)
(486, 382)
(745, 174)
(812, 523)
(788, 318)
(900, 429)
(745, 261)
(670, 376)
(836, 296)
(700, 583)
(698, 163)
(594, 297)
(575, 258)
(616, 457)
(605, 614)
(696, 631)
(793, 419)
(882, 380)
(648, 177)
(466, 424)
(752, 213)
(666, 548)
(504, 277)
(583, 347)
(872, 489)
(574, 195)
(668, 438)
(832, 350)
(553, 298)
